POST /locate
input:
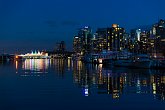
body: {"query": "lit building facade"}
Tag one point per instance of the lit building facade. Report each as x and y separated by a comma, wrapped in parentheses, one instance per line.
(159, 31)
(60, 47)
(77, 45)
(107, 39)
(34, 55)
(101, 39)
(115, 38)
(138, 32)
(95, 44)
(144, 42)
(111, 39)
(85, 35)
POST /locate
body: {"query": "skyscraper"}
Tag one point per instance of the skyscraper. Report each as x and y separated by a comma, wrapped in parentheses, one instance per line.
(159, 33)
(85, 35)
(77, 45)
(115, 38)
(101, 39)
(144, 42)
(111, 39)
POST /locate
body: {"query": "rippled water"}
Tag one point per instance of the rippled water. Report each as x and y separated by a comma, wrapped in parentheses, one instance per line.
(41, 84)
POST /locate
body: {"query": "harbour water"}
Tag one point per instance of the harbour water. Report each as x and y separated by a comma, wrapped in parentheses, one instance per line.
(45, 84)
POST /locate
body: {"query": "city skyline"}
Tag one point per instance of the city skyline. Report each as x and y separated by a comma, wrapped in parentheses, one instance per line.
(27, 25)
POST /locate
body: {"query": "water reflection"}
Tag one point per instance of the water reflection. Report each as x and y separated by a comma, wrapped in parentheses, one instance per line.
(95, 79)
(100, 80)
(36, 65)
(29, 66)
(61, 66)
(158, 85)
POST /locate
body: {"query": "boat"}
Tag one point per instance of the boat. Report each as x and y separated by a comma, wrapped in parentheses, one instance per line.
(92, 58)
(123, 62)
(141, 61)
(123, 59)
(162, 64)
(158, 63)
(104, 57)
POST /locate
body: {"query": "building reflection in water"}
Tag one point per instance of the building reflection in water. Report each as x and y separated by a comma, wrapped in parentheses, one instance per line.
(110, 82)
(42, 65)
(16, 65)
(158, 85)
(95, 79)
(29, 66)
(36, 65)
(61, 66)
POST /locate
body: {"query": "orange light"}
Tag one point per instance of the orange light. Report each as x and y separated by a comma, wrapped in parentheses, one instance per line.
(16, 65)
(16, 57)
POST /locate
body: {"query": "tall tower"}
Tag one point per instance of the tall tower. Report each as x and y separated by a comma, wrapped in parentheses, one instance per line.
(115, 38)
(77, 45)
(86, 35)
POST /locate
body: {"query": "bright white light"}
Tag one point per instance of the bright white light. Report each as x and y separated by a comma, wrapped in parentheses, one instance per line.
(86, 92)
(100, 61)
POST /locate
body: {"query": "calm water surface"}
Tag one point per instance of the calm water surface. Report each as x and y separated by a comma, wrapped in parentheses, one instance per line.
(38, 84)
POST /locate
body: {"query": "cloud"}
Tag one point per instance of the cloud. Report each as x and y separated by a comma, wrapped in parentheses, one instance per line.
(69, 23)
(51, 23)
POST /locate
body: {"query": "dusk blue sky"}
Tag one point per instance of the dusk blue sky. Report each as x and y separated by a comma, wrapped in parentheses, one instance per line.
(39, 24)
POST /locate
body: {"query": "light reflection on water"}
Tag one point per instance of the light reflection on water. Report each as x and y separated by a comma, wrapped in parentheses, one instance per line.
(36, 65)
(100, 80)
(61, 84)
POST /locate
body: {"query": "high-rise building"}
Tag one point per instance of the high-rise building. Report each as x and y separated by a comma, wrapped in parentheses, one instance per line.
(101, 39)
(115, 38)
(85, 35)
(158, 31)
(138, 32)
(61, 47)
(144, 42)
(126, 40)
(77, 45)
(111, 39)
(95, 44)
(105, 39)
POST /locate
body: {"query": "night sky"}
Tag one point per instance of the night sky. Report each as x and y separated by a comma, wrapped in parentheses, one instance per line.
(39, 24)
